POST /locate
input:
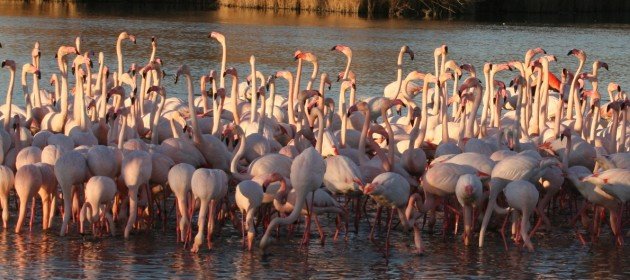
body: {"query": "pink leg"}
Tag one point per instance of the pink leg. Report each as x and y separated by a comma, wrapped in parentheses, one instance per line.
(503, 231)
(580, 213)
(538, 223)
(30, 224)
(389, 228)
(322, 235)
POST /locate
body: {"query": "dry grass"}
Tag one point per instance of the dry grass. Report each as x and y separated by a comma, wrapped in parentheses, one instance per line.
(392, 8)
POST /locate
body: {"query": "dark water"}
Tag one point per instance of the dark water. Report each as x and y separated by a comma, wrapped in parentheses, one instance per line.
(272, 37)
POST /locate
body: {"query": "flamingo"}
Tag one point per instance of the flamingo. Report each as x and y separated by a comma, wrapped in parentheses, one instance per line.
(522, 195)
(469, 192)
(307, 175)
(209, 186)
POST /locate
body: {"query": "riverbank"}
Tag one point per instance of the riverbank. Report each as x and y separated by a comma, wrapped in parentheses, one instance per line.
(432, 9)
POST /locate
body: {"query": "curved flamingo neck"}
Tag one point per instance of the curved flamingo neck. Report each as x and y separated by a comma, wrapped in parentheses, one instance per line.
(9, 100)
(234, 99)
(254, 106)
(223, 62)
(193, 113)
(345, 72)
(364, 132)
(272, 96)
(262, 118)
(119, 54)
(390, 132)
(542, 121)
(156, 118)
(444, 117)
(27, 96)
(309, 86)
(424, 116)
(473, 114)
(344, 116)
(573, 94)
(122, 132)
(237, 157)
(320, 129)
(298, 77)
(291, 109)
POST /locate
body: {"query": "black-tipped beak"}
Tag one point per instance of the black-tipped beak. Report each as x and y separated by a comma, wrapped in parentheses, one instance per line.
(176, 79)
(38, 74)
(332, 49)
(570, 52)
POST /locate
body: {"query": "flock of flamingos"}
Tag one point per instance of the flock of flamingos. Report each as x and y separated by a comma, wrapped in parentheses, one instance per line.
(114, 147)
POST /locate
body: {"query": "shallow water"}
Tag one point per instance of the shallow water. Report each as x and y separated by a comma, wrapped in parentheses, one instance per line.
(273, 38)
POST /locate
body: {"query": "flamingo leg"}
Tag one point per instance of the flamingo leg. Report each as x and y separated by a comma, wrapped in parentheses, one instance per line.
(538, 222)
(322, 235)
(580, 213)
(503, 232)
(30, 224)
(243, 227)
(389, 229)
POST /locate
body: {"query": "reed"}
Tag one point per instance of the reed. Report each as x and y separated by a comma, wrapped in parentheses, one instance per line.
(391, 8)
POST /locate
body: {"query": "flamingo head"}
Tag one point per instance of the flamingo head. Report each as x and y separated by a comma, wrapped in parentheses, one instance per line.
(417, 113)
(441, 50)
(565, 133)
(343, 49)
(578, 53)
(469, 83)
(407, 50)
(217, 36)
(547, 148)
(270, 80)
(378, 129)
(356, 107)
(274, 177)
(601, 64)
(298, 55)
(310, 57)
(468, 68)
(370, 188)
(16, 122)
(230, 71)
(10, 64)
(220, 94)
(469, 190)
(397, 102)
(183, 70)
(91, 105)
